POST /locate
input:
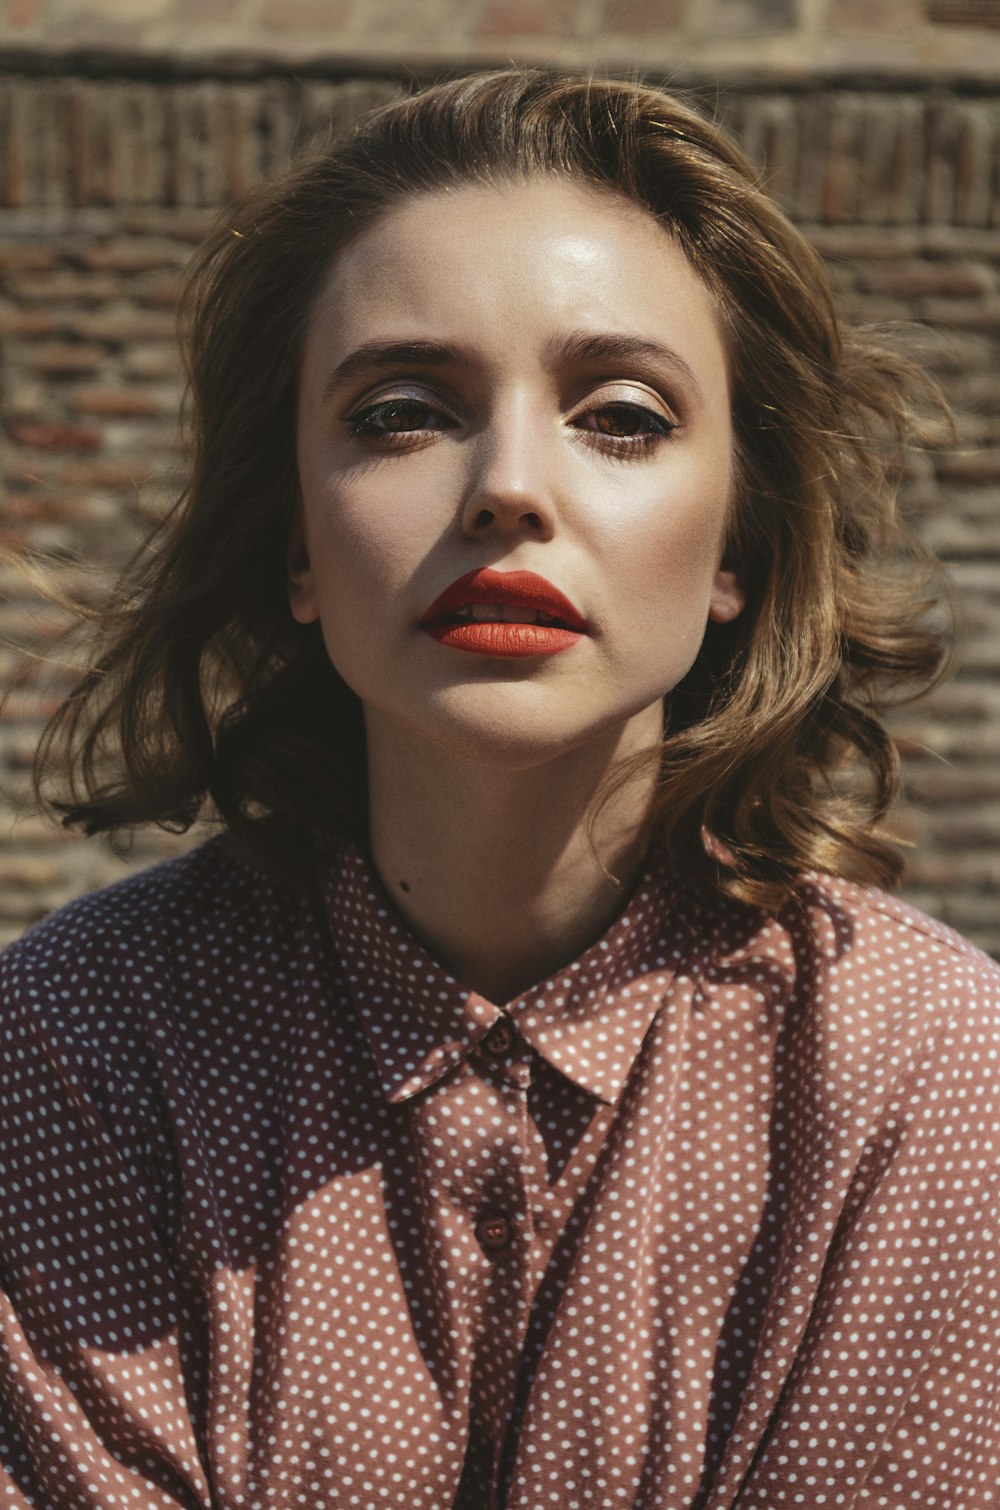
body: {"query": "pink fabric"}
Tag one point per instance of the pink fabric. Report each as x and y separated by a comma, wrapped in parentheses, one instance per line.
(291, 1218)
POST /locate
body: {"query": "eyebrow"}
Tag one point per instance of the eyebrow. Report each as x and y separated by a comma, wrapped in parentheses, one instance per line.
(582, 347)
(376, 356)
(578, 348)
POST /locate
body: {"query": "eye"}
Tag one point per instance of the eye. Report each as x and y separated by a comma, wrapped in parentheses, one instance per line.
(393, 417)
(625, 427)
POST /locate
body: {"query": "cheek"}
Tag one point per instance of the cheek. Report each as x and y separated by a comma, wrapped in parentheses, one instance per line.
(675, 544)
(365, 551)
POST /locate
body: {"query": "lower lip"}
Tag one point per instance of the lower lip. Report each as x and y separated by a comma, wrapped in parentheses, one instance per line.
(505, 639)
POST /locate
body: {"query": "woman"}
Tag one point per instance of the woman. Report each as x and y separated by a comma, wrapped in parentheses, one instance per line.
(527, 1100)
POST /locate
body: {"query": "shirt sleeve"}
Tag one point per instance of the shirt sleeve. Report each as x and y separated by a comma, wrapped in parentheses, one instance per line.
(95, 1393)
(891, 1403)
(943, 1449)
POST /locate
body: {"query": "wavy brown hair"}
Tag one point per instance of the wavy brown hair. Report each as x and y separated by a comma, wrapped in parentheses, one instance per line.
(205, 689)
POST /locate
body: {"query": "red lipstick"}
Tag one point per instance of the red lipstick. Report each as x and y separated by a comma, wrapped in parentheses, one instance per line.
(529, 616)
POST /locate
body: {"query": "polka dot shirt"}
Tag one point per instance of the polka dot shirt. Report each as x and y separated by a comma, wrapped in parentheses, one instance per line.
(289, 1217)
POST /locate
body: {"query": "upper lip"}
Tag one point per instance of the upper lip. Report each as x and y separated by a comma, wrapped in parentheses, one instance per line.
(519, 589)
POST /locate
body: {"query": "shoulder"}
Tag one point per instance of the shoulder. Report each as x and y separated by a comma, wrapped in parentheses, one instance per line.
(119, 946)
(896, 1003)
(875, 939)
(868, 990)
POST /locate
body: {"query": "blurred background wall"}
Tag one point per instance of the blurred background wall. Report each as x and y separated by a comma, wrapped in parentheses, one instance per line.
(125, 125)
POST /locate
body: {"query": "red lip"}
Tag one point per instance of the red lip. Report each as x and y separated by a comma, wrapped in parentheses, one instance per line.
(516, 589)
(519, 589)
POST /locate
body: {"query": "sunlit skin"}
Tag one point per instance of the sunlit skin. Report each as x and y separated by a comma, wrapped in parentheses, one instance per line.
(526, 378)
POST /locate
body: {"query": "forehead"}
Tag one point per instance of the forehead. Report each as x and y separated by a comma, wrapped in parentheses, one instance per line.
(513, 262)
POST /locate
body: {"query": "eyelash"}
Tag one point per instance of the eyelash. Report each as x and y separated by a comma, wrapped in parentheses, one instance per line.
(364, 425)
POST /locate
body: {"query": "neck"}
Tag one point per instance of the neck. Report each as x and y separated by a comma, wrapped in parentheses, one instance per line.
(506, 876)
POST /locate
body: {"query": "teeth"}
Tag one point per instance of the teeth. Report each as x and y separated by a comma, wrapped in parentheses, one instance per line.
(513, 615)
(502, 613)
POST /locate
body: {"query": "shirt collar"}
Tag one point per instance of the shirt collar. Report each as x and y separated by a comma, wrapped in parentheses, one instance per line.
(588, 1020)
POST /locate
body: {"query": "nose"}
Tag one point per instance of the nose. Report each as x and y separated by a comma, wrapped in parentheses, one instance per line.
(513, 483)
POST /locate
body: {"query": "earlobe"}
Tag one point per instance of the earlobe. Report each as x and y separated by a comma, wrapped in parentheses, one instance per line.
(301, 596)
(728, 599)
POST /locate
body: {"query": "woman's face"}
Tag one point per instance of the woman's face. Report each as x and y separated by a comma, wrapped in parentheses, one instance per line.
(523, 379)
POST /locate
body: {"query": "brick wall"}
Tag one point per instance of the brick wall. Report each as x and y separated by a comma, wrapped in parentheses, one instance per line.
(107, 181)
(718, 37)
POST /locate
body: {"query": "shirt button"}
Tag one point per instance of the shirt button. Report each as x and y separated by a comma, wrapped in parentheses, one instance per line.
(494, 1231)
(499, 1040)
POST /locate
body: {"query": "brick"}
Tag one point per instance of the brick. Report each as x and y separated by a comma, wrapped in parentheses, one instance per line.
(812, 126)
(182, 223)
(745, 18)
(971, 314)
(977, 427)
(20, 475)
(890, 161)
(119, 12)
(56, 508)
(22, 906)
(15, 111)
(152, 362)
(115, 402)
(879, 309)
(69, 287)
(145, 445)
(953, 351)
(30, 707)
(196, 145)
(40, 620)
(65, 359)
(54, 437)
(28, 400)
(28, 323)
(899, 17)
(33, 830)
(844, 156)
(770, 139)
(525, 18)
(643, 16)
(161, 293)
(949, 787)
(101, 474)
(22, 14)
(932, 870)
(961, 241)
(117, 326)
(28, 871)
(305, 15)
(128, 256)
(27, 259)
(973, 834)
(972, 466)
(928, 278)
(862, 243)
(208, 12)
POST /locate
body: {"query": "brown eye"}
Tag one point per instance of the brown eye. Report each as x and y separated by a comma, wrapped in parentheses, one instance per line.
(627, 422)
(617, 420)
(399, 416)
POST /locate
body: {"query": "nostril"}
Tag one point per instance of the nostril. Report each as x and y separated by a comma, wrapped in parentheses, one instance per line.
(483, 518)
(533, 521)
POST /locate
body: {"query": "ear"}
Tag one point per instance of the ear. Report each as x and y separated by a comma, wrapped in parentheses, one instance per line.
(301, 591)
(728, 599)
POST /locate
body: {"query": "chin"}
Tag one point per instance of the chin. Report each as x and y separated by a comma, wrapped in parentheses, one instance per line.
(519, 732)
